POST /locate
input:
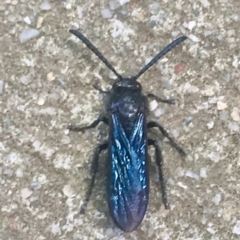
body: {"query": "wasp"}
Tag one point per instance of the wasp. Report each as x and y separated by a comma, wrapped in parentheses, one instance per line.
(127, 145)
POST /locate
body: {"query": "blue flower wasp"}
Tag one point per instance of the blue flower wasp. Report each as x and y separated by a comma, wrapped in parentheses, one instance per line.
(127, 145)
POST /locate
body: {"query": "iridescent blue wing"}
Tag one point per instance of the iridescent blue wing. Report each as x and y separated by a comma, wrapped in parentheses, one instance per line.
(128, 180)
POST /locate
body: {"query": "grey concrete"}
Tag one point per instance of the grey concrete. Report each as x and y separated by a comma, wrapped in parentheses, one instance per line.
(46, 80)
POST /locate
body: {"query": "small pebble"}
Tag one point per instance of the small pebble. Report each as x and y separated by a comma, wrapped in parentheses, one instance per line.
(180, 172)
(228, 77)
(36, 186)
(214, 156)
(45, 6)
(191, 174)
(190, 88)
(167, 84)
(180, 184)
(39, 22)
(41, 101)
(36, 144)
(53, 96)
(171, 181)
(13, 157)
(114, 4)
(112, 76)
(122, 13)
(235, 17)
(8, 172)
(210, 125)
(117, 28)
(205, 3)
(11, 18)
(77, 236)
(122, 2)
(14, 2)
(25, 80)
(2, 147)
(193, 38)
(27, 20)
(179, 68)
(1, 86)
(154, 8)
(50, 76)
(175, 133)
(203, 173)
(204, 219)
(67, 191)
(42, 178)
(235, 63)
(140, 16)
(153, 105)
(223, 116)
(213, 100)
(65, 140)
(221, 105)
(191, 25)
(211, 230)
(233, 126)
(28, 34)
(33, 199)
(188, 120)
(232, 40)
(208, 92)
(217, 198)
(80, 12)
(26, 193)
(19, 173)
(219, 37)
(106, 13)
(48, 111)
(55, 229)
(158, 112)
(236, 228)
(235, 114)
(231, 32)
(68, 6)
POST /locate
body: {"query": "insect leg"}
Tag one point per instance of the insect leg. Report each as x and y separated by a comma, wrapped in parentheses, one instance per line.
(169, 101)
(159, 162)
(165, 133)
(94, 169)
(93, 125)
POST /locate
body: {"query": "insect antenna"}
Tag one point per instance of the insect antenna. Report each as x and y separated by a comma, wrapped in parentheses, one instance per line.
(96, 51)
(160, 55)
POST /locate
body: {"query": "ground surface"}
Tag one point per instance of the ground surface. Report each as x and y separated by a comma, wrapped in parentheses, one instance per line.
(46, 83)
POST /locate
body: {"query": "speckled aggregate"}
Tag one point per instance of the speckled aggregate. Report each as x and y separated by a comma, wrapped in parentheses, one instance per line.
(46, 83)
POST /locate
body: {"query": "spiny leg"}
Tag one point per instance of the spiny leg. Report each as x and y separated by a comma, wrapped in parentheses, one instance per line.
(93, 125)
(94, 169)
(159, 162)
(165, 133)
(168, 101)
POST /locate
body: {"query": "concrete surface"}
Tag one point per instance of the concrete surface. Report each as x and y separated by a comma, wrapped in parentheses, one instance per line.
(46, 83)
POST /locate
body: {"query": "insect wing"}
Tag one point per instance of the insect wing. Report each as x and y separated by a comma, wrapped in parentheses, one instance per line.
(128, 181)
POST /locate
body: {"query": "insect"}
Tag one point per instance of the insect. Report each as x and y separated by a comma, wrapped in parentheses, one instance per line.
(127, 145)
